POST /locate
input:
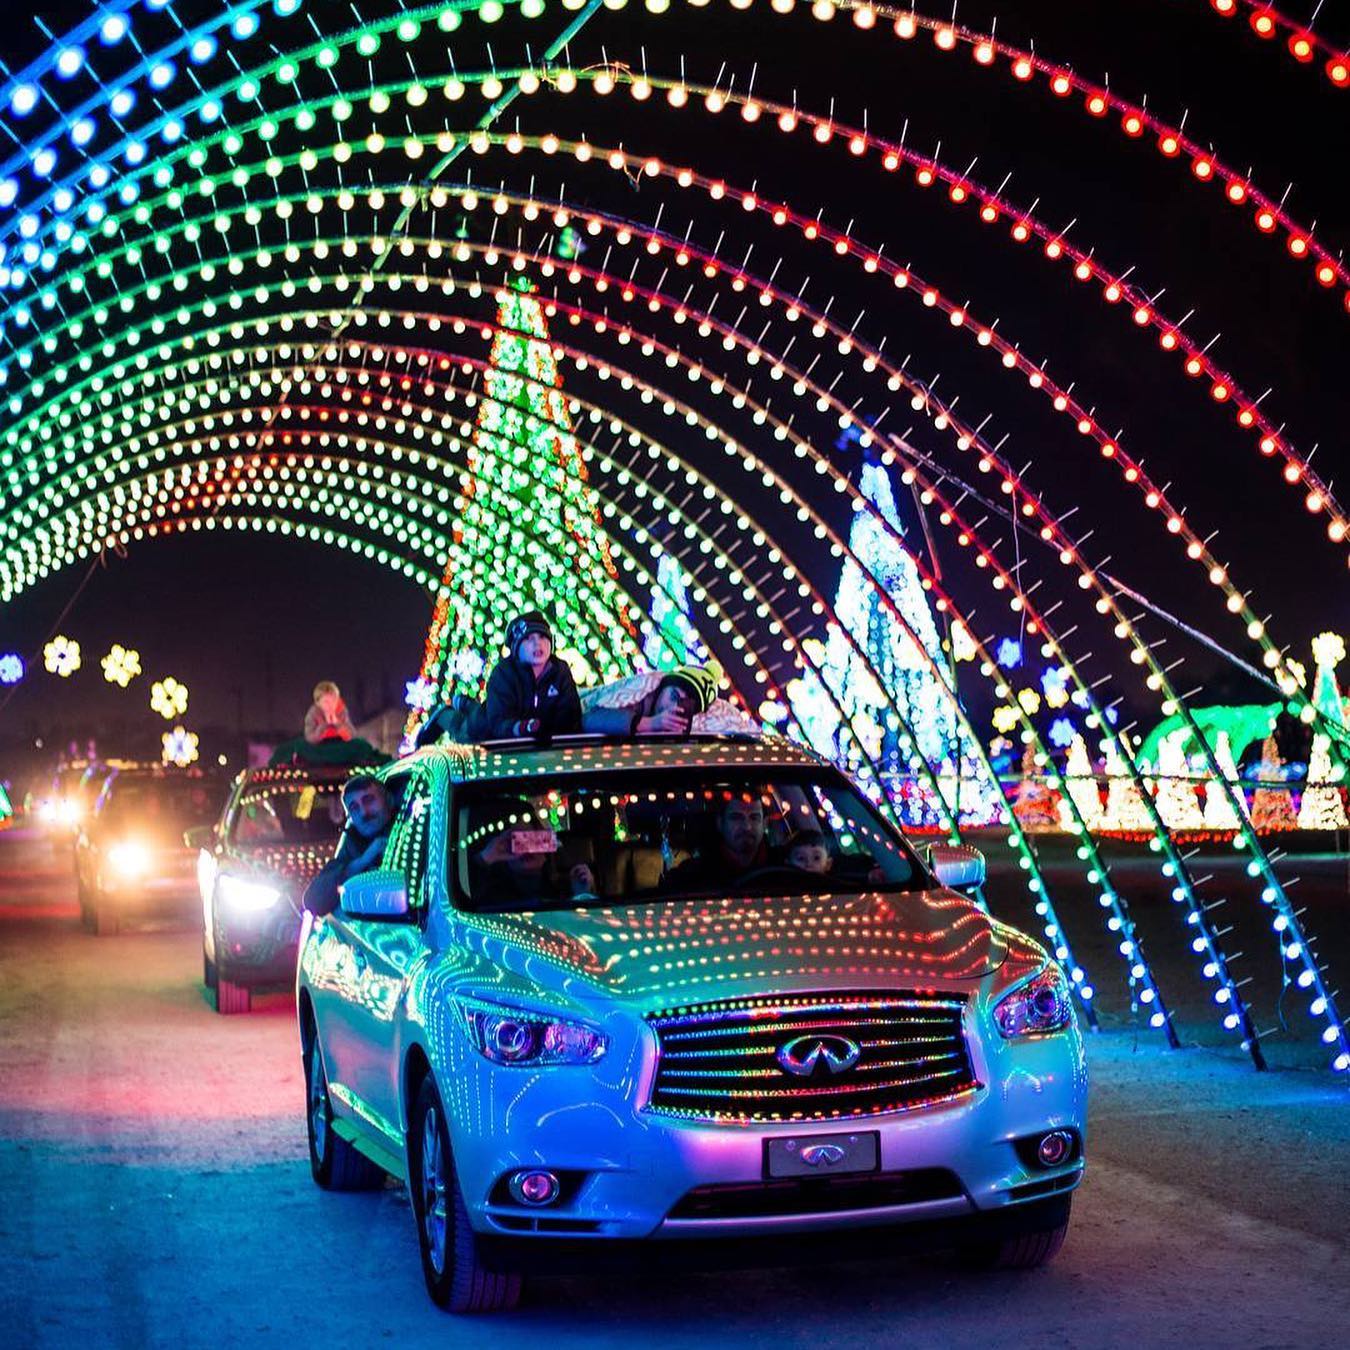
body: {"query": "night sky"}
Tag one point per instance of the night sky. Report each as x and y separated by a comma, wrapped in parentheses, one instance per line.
(250, 624)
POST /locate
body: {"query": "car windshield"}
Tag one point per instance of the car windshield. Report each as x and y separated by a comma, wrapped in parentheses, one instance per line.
(291, 812)
(651, 837)
(173, 804)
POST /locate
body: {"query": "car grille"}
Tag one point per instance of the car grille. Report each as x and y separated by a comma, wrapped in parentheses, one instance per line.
(725, 1060)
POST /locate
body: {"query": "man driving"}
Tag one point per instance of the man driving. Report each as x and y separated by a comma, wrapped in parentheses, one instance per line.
(738, 850)
(370, 816)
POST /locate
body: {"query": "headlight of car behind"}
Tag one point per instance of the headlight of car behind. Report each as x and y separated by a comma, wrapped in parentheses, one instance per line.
(1039, 1006)
(516, 1037)
(129, 858)
(245, 896)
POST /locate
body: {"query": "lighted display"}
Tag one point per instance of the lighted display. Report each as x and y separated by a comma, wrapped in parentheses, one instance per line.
(264, 271)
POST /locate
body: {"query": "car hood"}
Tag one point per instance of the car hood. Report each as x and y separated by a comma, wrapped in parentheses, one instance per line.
(680, 952)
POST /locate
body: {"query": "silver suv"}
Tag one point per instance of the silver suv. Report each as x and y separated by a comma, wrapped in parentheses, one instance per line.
(606, 995)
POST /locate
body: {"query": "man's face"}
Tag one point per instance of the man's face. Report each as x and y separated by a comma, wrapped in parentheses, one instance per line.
(675, 700)
(535, 650)
(742, 826)
(367, 809)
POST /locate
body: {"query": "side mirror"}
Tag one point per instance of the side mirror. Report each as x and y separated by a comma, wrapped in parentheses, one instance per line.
(375, 895)
(957, 865)
(200, 836)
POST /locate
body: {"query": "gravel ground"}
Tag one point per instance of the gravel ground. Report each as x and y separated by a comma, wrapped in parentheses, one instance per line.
(155, 1192)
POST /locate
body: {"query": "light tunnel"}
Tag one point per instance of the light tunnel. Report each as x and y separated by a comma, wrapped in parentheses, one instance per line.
(259, 275)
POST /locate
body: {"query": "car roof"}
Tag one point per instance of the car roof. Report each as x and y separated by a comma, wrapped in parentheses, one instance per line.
(590, 754)
(304, 773)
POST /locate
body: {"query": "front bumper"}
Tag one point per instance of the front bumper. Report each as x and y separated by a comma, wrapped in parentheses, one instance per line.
(916, 1235)
(162, 894)
(257, 948)
(632, 1172)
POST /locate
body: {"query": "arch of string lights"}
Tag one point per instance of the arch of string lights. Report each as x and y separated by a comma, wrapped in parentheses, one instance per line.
(251, 255)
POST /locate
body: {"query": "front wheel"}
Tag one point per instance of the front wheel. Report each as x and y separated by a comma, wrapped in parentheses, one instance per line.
(1024, 1251)
(456, 1278)
(333, 1162)
(106, 923)
(231, 998)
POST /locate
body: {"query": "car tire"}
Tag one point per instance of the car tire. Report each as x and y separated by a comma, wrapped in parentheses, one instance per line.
(1024, 1251)
(86, 908)
(231, 998)
(333, 1163)
(456, 1277)
(105, 917)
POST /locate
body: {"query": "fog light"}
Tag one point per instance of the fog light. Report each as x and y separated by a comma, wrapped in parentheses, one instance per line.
(534, 1188)
(1054, 1148)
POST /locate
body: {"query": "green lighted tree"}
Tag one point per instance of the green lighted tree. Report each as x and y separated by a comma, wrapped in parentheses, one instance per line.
(527, 532)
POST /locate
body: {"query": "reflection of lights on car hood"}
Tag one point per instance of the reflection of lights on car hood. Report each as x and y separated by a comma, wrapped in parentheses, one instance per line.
(246, 895)
(130, 857)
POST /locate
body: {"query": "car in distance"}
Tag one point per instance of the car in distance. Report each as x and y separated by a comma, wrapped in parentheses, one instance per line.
(131, 860)
(65, 806)
(278, 828)
(584, 1005)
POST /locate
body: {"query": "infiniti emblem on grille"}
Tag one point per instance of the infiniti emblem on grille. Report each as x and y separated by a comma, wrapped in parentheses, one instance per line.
(808, 1055)
(822, 1155)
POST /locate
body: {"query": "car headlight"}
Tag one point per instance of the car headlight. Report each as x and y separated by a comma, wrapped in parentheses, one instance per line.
(529, 1039)
(250, 896)
(1039, 1006)
(68, 812)
(129, 858)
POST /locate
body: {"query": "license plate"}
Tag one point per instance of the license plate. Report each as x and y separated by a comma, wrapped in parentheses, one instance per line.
(822, 1155)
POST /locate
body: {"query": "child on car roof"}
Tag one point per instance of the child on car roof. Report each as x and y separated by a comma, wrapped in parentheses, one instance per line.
(531, 692)
(328, 718)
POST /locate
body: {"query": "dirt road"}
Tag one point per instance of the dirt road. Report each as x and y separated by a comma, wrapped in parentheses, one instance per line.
(155, 1192)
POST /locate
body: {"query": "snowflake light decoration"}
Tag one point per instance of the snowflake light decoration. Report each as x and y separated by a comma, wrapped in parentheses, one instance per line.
(169, 698)
(121, 665)
(469, 665)
(1055, 684)
(61, 656)
(421, 694)
(11, 668)
(1061, 732)
(180, 746)
(1008, 653)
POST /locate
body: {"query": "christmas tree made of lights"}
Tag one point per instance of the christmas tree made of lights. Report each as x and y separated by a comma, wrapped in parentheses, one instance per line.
(888, 657)
(527, 533)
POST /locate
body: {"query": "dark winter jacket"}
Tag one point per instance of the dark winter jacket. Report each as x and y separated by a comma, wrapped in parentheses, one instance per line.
(515, 699)
(322, 893)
